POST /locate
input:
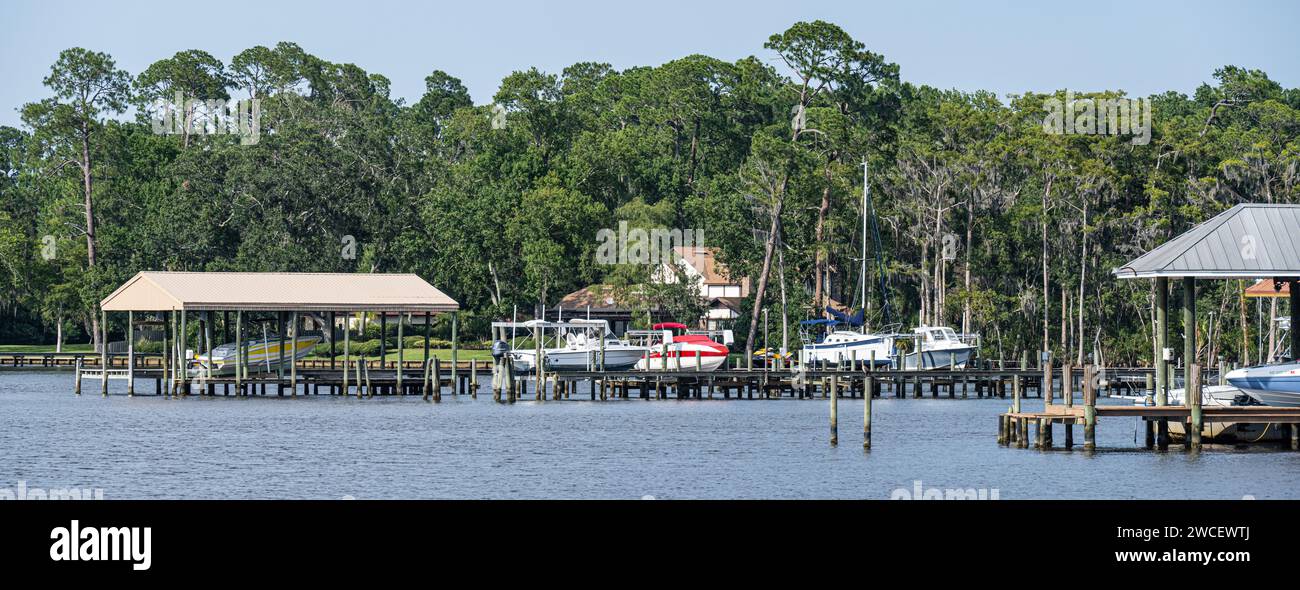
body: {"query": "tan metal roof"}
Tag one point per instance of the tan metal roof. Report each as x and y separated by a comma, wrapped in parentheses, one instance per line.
(277, 291)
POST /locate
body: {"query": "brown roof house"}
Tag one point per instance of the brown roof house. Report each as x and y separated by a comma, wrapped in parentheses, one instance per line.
(697, 264)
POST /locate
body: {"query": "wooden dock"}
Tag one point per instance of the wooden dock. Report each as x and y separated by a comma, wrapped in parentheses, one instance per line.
(1014, 427)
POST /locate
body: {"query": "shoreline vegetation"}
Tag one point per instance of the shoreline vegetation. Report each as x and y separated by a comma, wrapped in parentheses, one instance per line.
(1001, 215)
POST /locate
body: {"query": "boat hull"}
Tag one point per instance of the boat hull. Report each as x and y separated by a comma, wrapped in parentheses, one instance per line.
(263, 356)
(1271, 385)
(860, 351)
(944, 358)
(684, 362)
(559, 361)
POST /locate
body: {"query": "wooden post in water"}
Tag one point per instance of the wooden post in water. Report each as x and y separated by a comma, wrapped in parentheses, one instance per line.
(455, 360)
(77, 383)
(1015, 393)
(1192, 397)
(511, 385)
(437, 379)
(426, 365)
(473, 378)
(1046, 388)
(1089, 410)
(363, 368)
(239, 352)
(835, 397)
(1067, 394)
(868, 388)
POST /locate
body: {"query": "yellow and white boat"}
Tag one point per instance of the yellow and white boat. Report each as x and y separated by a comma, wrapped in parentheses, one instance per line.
(261, 355)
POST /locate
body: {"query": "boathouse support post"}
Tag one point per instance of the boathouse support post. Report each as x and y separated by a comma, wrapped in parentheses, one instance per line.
(293, 357)
(1189, 330)
(279, 371)
(130, 353)
(383, 338)
(1295, 322)
(239, 352)
(183, 357)
(1162, 363)
(103, 352)
(347, 348)
(207, 346)
(401, 349)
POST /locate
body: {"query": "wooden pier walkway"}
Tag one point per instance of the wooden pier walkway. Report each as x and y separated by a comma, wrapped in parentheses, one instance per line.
(1014, 426)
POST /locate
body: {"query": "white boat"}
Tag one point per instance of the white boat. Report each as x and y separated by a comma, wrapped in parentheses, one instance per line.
(262, 355)
(581, 351)
(1271, 385)
(841, 346)
(1221, 396)
(940, 347)
(672, 346)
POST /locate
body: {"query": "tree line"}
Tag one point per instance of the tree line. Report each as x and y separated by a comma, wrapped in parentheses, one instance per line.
(986, 221)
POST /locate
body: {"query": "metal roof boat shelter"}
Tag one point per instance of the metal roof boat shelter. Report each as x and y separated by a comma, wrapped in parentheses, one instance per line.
(284, 293)
(1249, 240)
(277, 291)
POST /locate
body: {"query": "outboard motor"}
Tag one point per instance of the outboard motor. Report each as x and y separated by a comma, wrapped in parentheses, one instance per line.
(500, 349)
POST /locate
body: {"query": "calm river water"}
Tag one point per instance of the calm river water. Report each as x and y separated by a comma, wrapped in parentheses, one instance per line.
(334, 447)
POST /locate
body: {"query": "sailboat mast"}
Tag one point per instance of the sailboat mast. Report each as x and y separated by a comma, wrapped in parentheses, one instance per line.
(880, 254)
(862, 278)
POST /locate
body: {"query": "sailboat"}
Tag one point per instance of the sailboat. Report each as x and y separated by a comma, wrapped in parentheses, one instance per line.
(825, 342)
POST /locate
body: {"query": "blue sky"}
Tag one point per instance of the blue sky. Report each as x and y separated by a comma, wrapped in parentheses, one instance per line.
(1003, 46)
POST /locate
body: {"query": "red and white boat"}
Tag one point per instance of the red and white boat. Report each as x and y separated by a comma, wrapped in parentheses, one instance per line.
(672, 346)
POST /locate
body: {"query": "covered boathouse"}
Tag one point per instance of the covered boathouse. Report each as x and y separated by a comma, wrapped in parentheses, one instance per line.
(1248, 241)
(285, 298)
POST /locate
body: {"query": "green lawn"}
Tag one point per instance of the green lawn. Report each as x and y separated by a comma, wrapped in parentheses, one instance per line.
(40, 348)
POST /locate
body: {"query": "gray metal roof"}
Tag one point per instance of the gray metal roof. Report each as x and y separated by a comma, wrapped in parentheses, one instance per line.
(1247, 241)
